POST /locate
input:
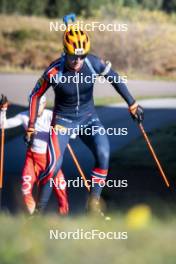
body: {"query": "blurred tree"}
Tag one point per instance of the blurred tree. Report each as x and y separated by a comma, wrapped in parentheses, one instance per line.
(83, 7)
(151, 4)
(57, 8)
(117, 2)
(23, 7)
(36, 8)
(18, 6)
(130, 3)
(169, 6)
(3, 6)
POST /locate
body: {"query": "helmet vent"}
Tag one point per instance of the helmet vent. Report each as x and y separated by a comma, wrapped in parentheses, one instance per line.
(71, 32)
(67, 38)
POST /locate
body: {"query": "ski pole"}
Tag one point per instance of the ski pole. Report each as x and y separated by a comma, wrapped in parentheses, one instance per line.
(78, 167)
(163, 175)
(3, 113)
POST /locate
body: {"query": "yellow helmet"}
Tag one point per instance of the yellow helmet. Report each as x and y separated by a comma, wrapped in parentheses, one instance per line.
(76, 41)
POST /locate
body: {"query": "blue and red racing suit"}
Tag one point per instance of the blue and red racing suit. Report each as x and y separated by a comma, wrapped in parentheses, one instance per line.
(74, 107)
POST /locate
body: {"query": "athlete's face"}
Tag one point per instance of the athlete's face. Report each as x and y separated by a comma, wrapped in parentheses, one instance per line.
(41, 108)
(75, 62)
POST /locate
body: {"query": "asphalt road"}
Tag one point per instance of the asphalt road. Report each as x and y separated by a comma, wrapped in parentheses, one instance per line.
(18, 86)
(158, 113)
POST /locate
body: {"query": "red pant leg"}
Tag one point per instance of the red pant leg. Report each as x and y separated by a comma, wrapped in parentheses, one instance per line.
(28, 180)
(60, 192)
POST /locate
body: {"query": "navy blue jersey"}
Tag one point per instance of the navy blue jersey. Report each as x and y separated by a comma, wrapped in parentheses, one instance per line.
(74, 90)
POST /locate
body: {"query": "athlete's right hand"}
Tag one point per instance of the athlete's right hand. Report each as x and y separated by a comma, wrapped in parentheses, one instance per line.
(137, 112)
(3, 103)
(29, 136)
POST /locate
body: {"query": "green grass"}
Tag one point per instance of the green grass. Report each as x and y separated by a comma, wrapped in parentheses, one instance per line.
(27, 241)
(134, 74)
(104, 101)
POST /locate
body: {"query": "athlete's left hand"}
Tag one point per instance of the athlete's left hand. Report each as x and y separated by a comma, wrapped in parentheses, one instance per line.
(3, 103)
(137, 112)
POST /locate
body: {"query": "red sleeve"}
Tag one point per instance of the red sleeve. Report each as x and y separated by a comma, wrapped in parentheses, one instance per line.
(40, 88)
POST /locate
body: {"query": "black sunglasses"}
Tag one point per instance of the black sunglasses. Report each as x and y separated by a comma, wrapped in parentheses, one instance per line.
(76, 57)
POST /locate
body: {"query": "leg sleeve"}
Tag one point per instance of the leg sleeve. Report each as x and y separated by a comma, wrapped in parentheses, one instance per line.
(99, 145)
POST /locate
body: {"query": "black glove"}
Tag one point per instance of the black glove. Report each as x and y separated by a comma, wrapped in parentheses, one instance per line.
(3, 102)
(29, 136)
(137, 112)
